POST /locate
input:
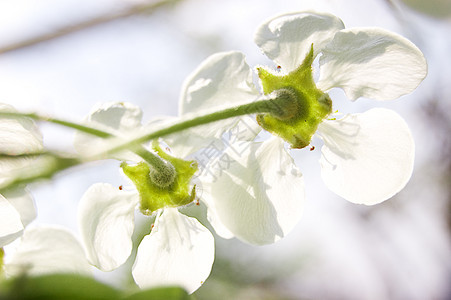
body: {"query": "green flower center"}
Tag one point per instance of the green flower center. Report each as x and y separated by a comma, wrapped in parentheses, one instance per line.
(162, 189)
(309, 105)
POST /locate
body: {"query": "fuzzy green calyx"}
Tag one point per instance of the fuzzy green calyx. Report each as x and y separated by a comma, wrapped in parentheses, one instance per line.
(310, 107)
(160, 190)
(163, 177)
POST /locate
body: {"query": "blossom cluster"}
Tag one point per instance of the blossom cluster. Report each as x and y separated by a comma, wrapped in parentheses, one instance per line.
(248, 183)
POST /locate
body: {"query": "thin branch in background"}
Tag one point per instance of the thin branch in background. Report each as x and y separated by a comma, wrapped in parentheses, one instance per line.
(391, 4)
(138, 9)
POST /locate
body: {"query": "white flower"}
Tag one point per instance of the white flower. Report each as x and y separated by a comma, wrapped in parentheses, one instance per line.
(178, 251)
(18, 136)
(259, 200)
(17, 210)
(367, 157)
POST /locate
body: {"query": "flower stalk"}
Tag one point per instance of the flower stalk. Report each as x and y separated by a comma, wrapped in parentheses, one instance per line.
(162, 172)
(278, 105)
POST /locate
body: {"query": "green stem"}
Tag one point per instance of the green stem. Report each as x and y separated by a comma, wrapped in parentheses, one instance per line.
(41, 170)
(36, 117)
(149, 157)
(261, 106)
(276, 106)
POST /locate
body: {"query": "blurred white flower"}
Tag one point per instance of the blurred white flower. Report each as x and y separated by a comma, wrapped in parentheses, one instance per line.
(18, 136)
(17, 210)
(367, 157)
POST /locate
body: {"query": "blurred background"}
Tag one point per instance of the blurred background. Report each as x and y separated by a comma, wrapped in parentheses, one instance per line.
(60, 58)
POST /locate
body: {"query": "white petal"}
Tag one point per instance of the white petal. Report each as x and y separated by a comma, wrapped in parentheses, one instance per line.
(22, 134)
(178, 251)
(45, 250)
(258, 192)
(373, 63)
(213, 217)
(10, 224)
(18, 136)
(23, 202)
(367, 158)
(106, 222)
(246, 129)
(117, 118)
(186, 142)
(222, 81)
(215, 137)
(287, 39)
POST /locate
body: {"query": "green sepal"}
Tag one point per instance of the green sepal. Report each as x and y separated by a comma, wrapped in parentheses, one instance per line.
(312, 105)
(154, 197)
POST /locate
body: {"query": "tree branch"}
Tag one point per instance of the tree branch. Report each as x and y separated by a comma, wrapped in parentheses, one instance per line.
(128, 12)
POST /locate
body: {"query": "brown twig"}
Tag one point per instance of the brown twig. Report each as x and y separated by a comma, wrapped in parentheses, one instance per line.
(128, 12)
